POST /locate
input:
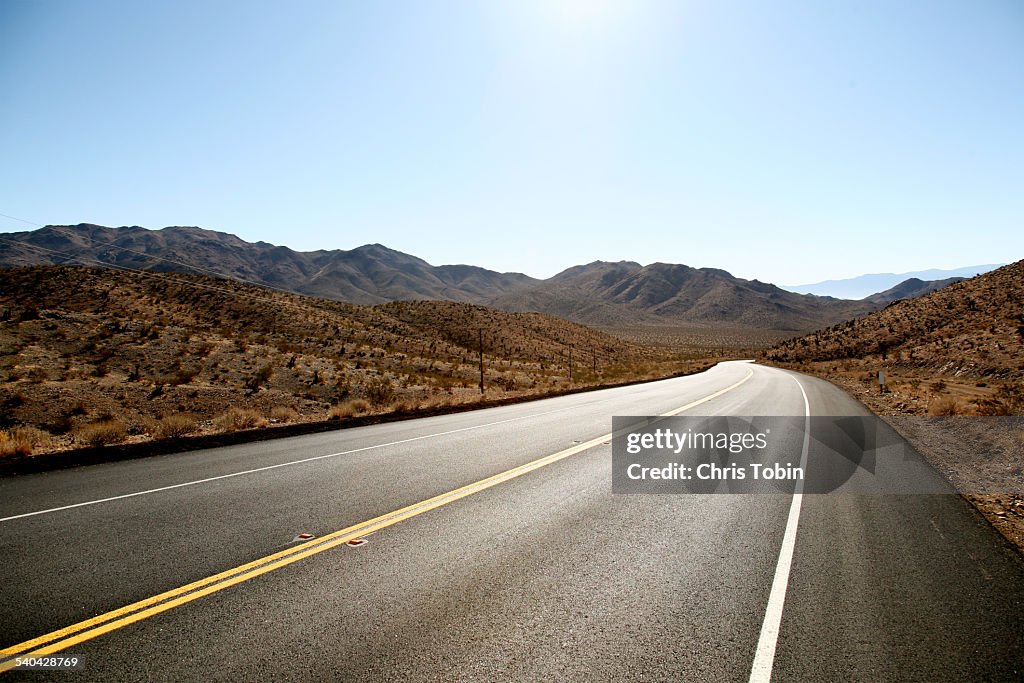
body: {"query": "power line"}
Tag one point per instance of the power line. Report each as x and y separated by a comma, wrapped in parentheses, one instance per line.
(15, 218)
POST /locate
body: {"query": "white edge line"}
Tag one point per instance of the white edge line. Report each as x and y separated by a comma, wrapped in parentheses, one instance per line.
(270, 467)
(764, 658)
(304, 460)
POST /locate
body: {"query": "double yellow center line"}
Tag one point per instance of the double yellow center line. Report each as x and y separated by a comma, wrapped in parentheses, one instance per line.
(64, 638)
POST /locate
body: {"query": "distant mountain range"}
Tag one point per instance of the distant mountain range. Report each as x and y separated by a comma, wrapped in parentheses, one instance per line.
(863, 286)
(599, 293)
(370, 274)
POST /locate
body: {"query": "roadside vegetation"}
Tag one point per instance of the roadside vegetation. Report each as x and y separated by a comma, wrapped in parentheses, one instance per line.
(94, 357)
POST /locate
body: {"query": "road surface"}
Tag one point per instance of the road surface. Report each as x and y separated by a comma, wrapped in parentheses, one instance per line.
(524, 573)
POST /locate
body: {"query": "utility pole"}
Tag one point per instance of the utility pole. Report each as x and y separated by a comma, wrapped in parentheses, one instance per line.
(570, 365)
(481, 360)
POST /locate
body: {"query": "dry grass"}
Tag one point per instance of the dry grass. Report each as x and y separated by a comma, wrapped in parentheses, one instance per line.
(236, 418)
(956, 351)
(22, 440)
(405, 405)
(14, 444)
(175, 425)
(1007, 400)
(284, 414)
(379, 391)
(348, 409)
(102, 432)
(437, 401)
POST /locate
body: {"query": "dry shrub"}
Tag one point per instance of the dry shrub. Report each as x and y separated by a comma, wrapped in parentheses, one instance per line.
(176, 377)
(945, 406)
(438, 401)
(405, 405)
(1009, 400)
(992, 406)
(379, 392)
(185, 375)
(14, 444)
(22, 440)
(239, 418)
(261, 377)
(174, 425)
(348, 409)
(284, 413)
(36, 375)
(102, 432)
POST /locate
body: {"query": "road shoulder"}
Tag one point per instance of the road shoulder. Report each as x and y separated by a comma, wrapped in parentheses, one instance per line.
(951, 446)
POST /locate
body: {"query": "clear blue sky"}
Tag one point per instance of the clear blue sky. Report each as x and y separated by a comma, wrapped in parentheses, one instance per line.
(788, 141)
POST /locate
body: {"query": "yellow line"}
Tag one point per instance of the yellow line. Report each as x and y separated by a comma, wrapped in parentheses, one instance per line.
(91, 628)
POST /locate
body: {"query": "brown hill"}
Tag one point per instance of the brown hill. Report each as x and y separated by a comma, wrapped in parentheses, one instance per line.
(608, 294)
(97, 355)
(964, 342)
(605, 294)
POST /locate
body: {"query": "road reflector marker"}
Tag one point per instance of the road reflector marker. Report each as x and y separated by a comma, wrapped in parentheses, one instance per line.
(356, 542)
(304, 536)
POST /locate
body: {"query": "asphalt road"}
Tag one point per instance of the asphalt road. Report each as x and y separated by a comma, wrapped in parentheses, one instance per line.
(543, 576)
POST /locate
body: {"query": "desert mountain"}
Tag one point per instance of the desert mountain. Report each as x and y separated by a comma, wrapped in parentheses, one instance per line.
(909, 289)
(600, 293)
(604, 294)
(370, 274)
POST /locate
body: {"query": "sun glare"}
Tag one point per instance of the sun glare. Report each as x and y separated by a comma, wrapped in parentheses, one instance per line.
(585, 16)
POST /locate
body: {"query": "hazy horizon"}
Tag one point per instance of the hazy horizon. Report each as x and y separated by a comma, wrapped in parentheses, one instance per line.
(789, 144)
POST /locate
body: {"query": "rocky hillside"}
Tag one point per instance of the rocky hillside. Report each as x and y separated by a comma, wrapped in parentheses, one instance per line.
(964, 342)
(99, 354)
